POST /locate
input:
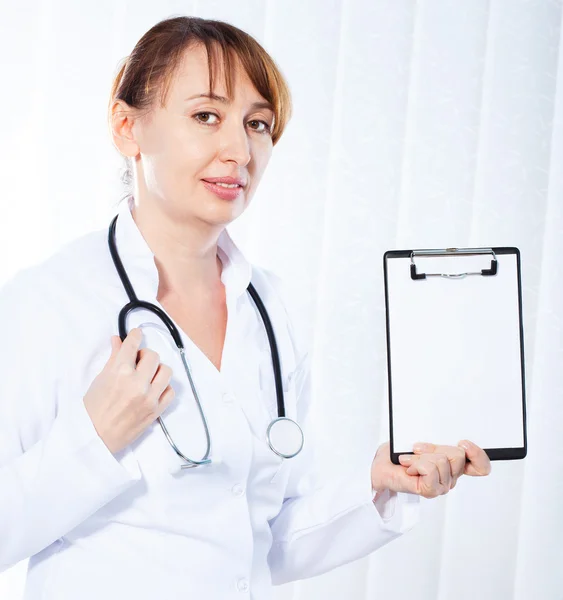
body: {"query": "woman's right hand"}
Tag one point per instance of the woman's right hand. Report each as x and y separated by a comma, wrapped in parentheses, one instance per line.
(126, 396)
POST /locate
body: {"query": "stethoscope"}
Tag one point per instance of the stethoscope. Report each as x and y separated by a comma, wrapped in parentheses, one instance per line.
(284, 435)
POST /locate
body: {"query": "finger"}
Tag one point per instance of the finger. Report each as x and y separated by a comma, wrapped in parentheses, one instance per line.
(148, 364)
(442, 467)
(455, 454)
(444, 470)
(130, 347)
(404, 482)
(407, 459)
(420, 466)
(159, 383)
(115, 346)
(429, 476)
(166, 399)
(479, 463)
(449, 451)
(115, 341)
(424, 448)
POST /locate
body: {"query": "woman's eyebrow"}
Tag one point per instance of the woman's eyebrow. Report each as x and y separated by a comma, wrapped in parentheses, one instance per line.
(224, 100)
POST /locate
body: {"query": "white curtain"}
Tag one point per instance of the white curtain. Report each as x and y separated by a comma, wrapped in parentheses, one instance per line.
(418, 124)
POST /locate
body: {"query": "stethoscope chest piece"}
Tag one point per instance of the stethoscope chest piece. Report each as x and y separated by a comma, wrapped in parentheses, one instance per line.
(285, 437)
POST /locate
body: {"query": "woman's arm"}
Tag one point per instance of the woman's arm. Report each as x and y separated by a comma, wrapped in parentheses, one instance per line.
(323, 525)
(55, 471)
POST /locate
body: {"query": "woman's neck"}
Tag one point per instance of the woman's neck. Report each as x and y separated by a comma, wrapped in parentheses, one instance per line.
(185, 255)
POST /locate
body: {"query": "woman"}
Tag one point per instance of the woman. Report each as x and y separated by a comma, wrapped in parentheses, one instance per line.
(98, 496)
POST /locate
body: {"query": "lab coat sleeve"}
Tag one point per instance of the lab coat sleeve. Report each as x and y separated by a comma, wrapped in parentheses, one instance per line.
(323, 525)
(55, 471)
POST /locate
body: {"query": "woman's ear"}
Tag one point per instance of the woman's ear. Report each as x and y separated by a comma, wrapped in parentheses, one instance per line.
(121, 124)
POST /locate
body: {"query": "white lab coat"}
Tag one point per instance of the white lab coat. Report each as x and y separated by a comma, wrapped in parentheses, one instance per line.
(132, 525)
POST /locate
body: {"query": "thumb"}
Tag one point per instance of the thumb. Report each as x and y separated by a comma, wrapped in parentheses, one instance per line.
(477, 460)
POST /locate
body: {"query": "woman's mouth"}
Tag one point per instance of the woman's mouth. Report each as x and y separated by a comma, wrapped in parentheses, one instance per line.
(223, 190)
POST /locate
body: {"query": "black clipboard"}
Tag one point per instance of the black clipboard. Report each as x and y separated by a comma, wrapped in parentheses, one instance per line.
(455, 349)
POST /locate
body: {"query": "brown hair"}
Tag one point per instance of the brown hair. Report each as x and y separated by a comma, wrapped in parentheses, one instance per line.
(155, 58)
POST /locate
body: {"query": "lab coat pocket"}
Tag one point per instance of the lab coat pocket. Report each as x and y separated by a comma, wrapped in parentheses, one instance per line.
(283, 465)
(268, 386)
(292, 389)
(280, 471)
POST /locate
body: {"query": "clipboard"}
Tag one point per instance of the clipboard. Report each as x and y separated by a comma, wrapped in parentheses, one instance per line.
(455, 349)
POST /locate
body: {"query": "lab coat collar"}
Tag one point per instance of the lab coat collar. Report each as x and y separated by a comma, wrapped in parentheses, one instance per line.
(138, 259)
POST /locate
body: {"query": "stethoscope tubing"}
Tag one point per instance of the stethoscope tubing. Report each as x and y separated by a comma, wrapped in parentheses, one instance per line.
(135, 304)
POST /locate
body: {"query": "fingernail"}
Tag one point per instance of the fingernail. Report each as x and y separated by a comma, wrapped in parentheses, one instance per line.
(419, 447)
(465, 445)
(405, 457)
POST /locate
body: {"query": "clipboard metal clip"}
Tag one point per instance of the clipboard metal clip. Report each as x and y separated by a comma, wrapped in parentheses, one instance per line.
(456, 252)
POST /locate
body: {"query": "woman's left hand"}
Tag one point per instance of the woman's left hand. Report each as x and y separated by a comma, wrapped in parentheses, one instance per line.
(430, 472)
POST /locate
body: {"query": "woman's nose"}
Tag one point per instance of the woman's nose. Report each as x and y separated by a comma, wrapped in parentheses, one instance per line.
(235, 144)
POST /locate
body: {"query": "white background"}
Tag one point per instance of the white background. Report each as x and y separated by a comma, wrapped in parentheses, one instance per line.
(418, 124)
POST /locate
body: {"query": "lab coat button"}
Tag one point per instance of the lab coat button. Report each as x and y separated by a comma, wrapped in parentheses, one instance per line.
(238, 490)
(242, 585)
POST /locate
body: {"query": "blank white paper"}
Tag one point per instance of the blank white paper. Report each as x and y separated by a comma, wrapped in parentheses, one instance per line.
(455, 357)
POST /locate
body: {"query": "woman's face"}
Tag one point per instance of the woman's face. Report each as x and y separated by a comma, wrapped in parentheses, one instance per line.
(194, 138)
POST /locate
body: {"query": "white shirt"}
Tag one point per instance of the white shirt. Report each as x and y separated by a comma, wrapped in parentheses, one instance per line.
(133, 525)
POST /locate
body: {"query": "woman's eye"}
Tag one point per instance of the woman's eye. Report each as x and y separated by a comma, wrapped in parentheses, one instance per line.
(205, 114)
(265, 128)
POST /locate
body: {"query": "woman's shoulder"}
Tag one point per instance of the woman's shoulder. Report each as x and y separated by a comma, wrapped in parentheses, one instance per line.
(271, 288)
(85, 257)
(267, 277)
(47, 281)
